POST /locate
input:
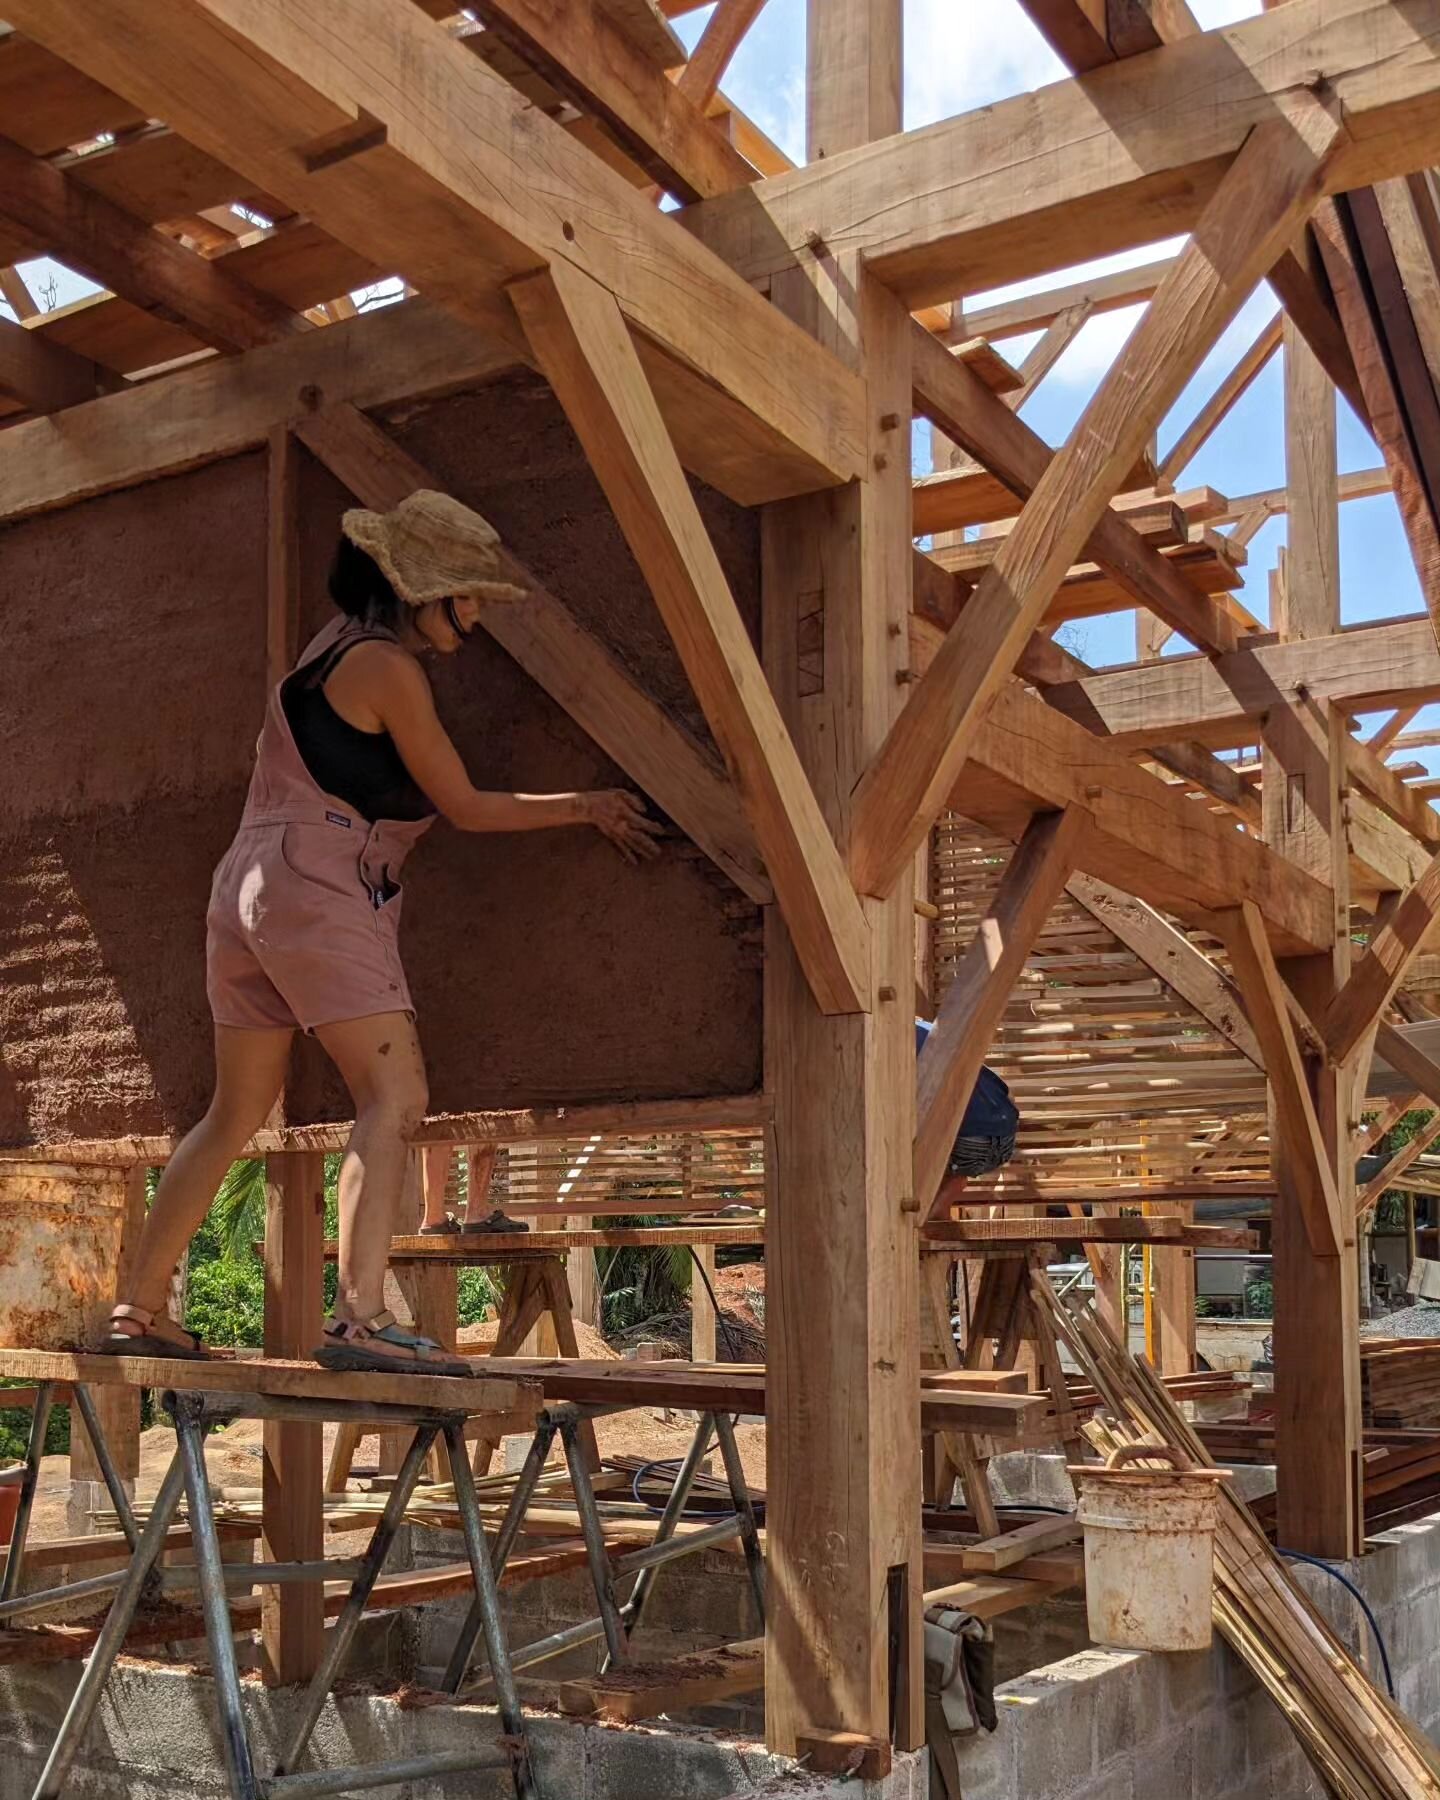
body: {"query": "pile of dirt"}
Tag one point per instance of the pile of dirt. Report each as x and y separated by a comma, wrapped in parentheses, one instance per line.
(588, 1341)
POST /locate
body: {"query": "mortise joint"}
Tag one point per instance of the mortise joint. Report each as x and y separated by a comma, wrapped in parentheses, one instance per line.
(363, 132)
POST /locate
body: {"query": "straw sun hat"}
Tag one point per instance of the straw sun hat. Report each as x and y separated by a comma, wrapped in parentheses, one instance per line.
(430, 547)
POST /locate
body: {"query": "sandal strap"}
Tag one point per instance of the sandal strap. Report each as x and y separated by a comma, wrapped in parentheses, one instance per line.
(384, 1326)
(140, 1314)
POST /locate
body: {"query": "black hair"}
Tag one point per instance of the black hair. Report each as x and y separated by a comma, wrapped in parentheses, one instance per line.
(359, 588)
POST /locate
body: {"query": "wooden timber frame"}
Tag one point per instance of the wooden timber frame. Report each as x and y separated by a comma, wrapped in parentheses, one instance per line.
(777, 339)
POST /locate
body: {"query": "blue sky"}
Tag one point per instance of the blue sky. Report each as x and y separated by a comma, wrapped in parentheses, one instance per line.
(959, 55)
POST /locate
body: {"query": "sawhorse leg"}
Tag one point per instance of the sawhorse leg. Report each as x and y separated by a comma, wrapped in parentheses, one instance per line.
(112, 1636)
(533, 1290)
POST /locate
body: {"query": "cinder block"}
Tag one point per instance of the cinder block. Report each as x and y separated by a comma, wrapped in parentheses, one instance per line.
(1165, 1766)
(1127, 1703)
(1221, 1757)
(987, 1760)
(1188, 1682)
(1118, 1782)
(658, 1765)
(1055, 1737)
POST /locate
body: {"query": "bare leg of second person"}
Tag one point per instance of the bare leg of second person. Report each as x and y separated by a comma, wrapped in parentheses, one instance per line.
(381, 1061)
(249, 1073)
(384, 1069)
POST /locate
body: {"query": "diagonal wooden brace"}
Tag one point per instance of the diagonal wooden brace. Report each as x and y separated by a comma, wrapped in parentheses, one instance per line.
(1267, 193)
(585, 349)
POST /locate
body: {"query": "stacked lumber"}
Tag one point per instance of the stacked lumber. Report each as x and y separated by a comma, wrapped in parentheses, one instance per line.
(1360, 1744)
(1400, 1381)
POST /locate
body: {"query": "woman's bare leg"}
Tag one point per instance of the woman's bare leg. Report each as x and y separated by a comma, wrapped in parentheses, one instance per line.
(383, 1067)
(249, 1073)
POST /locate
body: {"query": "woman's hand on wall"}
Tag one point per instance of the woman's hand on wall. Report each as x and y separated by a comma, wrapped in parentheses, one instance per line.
(620, 816)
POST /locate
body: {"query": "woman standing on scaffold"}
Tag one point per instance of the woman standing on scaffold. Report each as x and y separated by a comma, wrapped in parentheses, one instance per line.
(353, 767)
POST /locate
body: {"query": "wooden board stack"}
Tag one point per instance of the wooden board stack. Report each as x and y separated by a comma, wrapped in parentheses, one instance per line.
(1400, 1381)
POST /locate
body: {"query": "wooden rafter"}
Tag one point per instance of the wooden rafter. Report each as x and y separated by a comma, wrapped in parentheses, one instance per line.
(1220, 404)
(580, 50)
(718, 43)
(1266, 195)
(571, 665)
(1087, 34)
(122, 253)
(580, 337)
(1174, 958)
(1373, 1191)
(280, 105)
(43, 376)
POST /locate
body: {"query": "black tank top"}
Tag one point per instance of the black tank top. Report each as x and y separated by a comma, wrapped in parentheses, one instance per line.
(362, 768)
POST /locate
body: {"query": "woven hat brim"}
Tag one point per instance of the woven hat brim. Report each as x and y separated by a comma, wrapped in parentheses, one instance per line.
(419, 578)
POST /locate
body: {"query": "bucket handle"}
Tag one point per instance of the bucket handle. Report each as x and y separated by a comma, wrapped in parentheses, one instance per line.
(1127, 1453)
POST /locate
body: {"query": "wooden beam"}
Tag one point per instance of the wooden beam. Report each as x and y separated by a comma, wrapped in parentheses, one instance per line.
(1146, 835)
(853, 74)
(581, 339)
(1384, 401)
(757, 408)
(1220, 701)
(1034, 312)
(1301, 285)
(1357, 1006)
(949, 393)
(145, 265)
(568, 662)
(1374, 1190)
(1184, 968)
(842, 1437)
(976, 999)
(1218, 407)
(1263, 989)
(292, 1625)
(45, 377)
(718, 43)
(1128, 155)
(1271, 186)
(230, 404)
(1078, 31)
(581, 52)
(1409, 1061)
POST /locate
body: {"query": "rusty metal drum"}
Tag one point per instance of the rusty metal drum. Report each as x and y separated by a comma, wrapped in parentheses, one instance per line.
(60, 1232)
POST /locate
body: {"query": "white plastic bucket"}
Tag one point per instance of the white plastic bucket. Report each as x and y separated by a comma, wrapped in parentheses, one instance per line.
(1149, 1543)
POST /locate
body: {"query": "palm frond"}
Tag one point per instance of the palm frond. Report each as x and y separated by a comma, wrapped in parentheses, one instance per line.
(239, 1210)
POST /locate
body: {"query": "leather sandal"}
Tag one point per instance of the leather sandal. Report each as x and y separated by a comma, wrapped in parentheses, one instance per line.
(445, 1227)
(147, 1342)
(495, 1221)
(383, 1346)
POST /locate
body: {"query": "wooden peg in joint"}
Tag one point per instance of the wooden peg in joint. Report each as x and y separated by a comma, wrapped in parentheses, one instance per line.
(885, 993)
(889, 421)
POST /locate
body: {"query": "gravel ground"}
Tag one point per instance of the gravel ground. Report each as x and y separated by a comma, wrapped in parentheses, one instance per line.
(1421, 1321)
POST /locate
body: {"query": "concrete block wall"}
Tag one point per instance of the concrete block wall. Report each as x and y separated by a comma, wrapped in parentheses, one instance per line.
(1118, 1725)
(156, 1737)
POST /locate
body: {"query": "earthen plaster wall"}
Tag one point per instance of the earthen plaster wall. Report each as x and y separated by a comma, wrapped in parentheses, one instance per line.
(545, 969)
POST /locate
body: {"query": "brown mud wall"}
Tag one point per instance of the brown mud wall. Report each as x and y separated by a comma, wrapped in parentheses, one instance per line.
(544, 968)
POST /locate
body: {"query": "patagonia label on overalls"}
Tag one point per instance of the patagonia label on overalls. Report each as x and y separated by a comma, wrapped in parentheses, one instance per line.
(334, 818)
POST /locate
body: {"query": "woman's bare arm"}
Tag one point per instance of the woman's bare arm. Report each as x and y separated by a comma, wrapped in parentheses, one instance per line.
(390, 686)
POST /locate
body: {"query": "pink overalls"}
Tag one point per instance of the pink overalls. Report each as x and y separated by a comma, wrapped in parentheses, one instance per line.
(305, 907)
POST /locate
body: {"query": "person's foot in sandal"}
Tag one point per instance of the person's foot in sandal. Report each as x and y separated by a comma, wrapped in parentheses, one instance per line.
(135, 1331)
(497, 1221)
(383, 1346)
(441, 1227)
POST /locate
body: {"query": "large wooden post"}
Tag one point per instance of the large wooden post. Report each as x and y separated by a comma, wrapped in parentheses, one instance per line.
(292, 1619)
(1317, 1357)
(843, 1428)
